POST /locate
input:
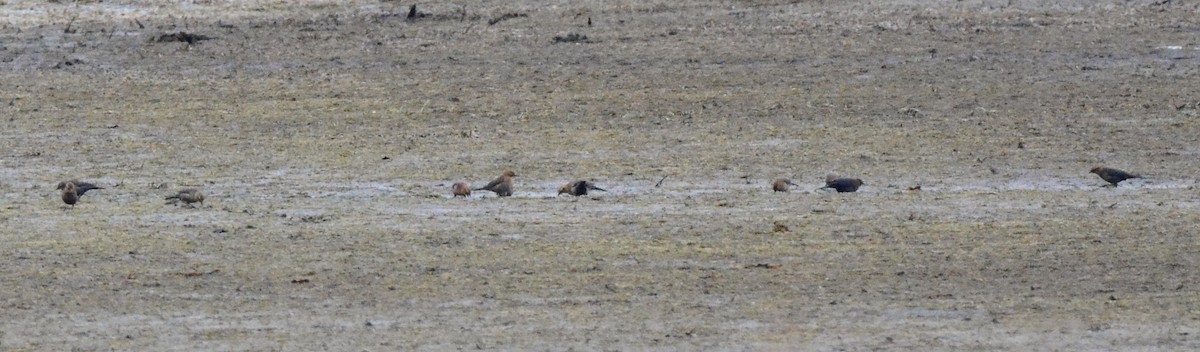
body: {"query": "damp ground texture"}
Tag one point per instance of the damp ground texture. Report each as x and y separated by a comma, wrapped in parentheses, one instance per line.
(326, 136)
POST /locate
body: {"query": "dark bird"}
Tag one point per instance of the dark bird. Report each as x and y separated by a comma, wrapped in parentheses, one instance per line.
(842, 184)
(503, 185)
(188, 196)
(579, 188)
(1113, 176)
(80, 187)
(781, 185)
(70, 194)
(461, 189)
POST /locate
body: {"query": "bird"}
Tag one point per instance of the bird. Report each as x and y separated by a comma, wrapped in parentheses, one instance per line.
(69, 194)
(188, 196)
(1113, 176)
(781, 185)
(579, 188)
(80, 187)
(502, 185)
(842, 184)
(461, 189)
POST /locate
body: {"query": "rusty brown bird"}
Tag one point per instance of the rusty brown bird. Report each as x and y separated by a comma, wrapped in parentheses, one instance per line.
(69, 194)
(502, 185)
(781, 185)
(579, 188)
(843, 184)
(1112, 176)
(461, 189)
(80, 187)
(187, 196)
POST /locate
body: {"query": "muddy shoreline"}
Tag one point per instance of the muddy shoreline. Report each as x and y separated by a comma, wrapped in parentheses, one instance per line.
(326, 137)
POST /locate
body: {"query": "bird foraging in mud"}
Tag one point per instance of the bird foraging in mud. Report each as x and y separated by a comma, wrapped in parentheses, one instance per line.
(70, 194)
(461, 189)
(579, 188)
(781, 185)
(80, 187)
(187, 196)
(1112, 176)
(502, 185)
(842, 184)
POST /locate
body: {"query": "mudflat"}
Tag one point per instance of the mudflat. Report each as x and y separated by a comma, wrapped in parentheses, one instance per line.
(326, 136)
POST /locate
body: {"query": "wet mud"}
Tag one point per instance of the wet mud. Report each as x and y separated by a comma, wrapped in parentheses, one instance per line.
(326, 137)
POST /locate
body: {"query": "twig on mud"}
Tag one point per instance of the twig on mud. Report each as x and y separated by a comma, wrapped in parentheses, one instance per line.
(68, 30)
(572, 38)
(422, 111)
(659, 184)
(197, 273)
(764, 266)
(190, 38)
(505, 17)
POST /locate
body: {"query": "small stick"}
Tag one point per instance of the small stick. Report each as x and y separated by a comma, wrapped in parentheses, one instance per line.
(69, 23)
(659, 184)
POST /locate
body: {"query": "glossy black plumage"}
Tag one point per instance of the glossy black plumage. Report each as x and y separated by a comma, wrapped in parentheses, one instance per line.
(843, 185)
